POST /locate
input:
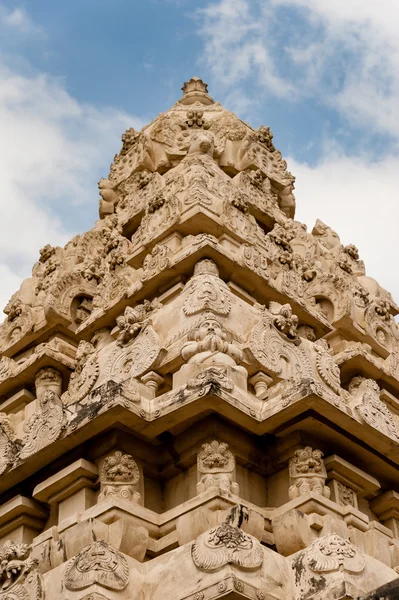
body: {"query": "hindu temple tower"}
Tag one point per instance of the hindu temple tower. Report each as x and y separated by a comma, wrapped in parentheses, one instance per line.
(199, 397)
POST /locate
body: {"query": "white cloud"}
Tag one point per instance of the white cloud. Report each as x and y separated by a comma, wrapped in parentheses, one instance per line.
(234, 47)
(51, 155)
(344, 55)
(358, 199)
(18, 20)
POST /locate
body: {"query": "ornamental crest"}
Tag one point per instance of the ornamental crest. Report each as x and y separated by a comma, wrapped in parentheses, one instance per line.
(98, 563)
(87, 369)
(224, 545)
(333, 553)
(135, 358)
(45, 426)
(206, 291)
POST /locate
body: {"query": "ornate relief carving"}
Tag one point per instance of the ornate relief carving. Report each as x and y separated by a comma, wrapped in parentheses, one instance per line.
(119, 477)
(278, 352)
(19, 575)
(216, 466)
(285, 321)
(255, 259)
(211, 377)
(333, 553)
(345, 495)
(307, 473)
(327, 368)
(155, 262)
(206, 291)
(153, 223)
(44, 427)
(87, 369)
(369, 406)
(209, 344)
(134, 320)
(98, 563)
(133, 359)
(7, 366)
(224, 545)
(8, 445)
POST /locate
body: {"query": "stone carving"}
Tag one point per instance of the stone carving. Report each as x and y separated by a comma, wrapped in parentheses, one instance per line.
(83, 379)
(345, 495)
(109, 198)
(208, 205)
(119, 477)
(307, 473)
(155, 262)
(224, 545)
(327, 368)
(8, 445)
(371, 409)
(206, 291)
(98, 564)
(216, 466)
(255, 260)
(19, 575)
(209, 344)
(275, 344)
(212, 377)
(136, 357)
(45, 426)
(134, 320)
(285, 321)
(333, 553)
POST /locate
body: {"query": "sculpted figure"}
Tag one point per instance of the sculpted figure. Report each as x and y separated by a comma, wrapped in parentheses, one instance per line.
(8, 443)
(216, 467)
(119, 478)
(325, 235)
(109, 197)
(19, 575)
(209, 345)
(307, 473)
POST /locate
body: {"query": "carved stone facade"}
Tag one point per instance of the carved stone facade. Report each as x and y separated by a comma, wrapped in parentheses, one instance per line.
(199, 398)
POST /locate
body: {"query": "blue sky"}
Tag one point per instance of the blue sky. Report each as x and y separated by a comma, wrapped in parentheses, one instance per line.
(74, 75)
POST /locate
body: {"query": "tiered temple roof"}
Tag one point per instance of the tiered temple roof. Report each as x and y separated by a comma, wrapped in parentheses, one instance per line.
(199, 397)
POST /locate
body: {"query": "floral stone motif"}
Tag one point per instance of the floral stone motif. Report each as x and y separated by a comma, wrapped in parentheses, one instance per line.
(98, 563)
(224, 545)
(333, 553)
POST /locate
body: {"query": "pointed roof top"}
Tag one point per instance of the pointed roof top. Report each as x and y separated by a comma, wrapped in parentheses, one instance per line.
(195, 90)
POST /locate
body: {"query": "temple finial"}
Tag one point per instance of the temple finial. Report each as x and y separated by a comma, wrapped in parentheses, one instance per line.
(195, 90)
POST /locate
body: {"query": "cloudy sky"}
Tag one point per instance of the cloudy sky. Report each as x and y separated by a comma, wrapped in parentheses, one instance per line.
(324, 75)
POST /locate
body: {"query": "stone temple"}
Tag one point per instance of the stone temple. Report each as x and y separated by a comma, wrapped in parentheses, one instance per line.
(199, 397)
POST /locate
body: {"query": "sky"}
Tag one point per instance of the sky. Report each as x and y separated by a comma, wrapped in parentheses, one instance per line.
(324, 75)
